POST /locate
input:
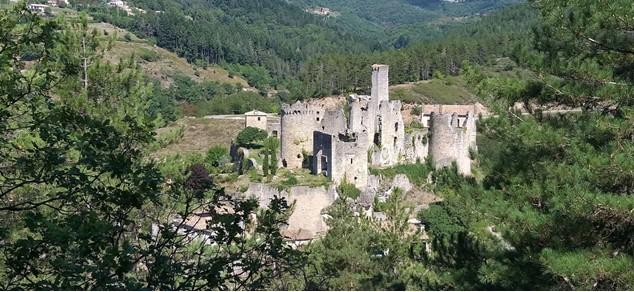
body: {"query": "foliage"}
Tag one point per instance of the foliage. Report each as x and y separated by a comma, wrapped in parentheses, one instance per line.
(348, 190)
(360, 253)
(271, 146)
(249, 136)
(148, 55)
(81, 208)
(198, 180)
(416, 173)
(217, 156)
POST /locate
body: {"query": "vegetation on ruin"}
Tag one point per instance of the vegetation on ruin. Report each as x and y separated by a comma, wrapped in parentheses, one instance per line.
(348, 190)
(416, 173)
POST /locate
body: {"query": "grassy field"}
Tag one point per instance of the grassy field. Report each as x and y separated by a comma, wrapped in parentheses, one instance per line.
(450, 90)
(199, 135)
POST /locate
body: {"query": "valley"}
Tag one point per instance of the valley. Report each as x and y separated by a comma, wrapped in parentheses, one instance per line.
(316, 145)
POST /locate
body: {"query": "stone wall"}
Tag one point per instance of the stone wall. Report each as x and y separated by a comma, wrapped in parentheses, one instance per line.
(389, 136)
(380, 83)
(256, 121)
(340, 157)
(416, 146)
(308, 204)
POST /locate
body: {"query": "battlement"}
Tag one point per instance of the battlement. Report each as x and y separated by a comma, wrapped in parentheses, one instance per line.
(453, 120)
(380, 67)
(302, 108)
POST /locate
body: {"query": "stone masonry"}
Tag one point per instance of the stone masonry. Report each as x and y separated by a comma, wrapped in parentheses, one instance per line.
(323, 139)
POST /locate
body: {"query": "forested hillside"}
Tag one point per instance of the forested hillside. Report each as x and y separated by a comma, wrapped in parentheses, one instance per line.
(501, 34)
(272, 41)
(406, 21)
(272, 34)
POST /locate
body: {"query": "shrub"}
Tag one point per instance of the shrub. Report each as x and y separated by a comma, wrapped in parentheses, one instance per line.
(416, 173)
(148, 55)
(250, 135)
(417, 110)
(348, 190)
(217, 156)
(199, 180)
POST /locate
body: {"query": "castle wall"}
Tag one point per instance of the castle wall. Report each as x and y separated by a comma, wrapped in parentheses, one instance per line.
(298, 122)
(340, 157)
(416, 146)
(389, 136)
(334, 121)
(450, 141)
(323, 157)
(351, 160)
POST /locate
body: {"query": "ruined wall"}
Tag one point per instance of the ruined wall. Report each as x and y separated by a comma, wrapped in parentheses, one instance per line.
(341, 157)
(351, 159)
(389, 137)
(298, 122)
(451, 137)
(323, 155)
(416, 146)
(334, 121)
(308, 204)
(273, 127)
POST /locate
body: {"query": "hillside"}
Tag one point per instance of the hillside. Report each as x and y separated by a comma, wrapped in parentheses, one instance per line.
(406, 19)
(158, 63)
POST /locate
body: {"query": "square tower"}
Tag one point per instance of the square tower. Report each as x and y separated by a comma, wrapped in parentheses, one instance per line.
(380, 83)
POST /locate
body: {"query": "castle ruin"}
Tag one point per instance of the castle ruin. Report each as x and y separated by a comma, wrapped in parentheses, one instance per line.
(342, 146)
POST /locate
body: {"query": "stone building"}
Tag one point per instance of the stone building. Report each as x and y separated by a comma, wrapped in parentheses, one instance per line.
(323, 139)
(256, 119)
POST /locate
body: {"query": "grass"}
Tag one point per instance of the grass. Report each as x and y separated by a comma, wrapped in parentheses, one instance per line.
(199, 135)
(416, 173)
(449, 90)
(286, 178)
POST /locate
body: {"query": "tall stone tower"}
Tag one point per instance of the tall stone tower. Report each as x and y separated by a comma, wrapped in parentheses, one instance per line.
(380, 83)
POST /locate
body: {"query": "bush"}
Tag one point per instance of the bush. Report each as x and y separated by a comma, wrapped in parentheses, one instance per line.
(250, 135)
(290, 181)
(148, 55)
(417, 110)
(416, 173)
(199, 180)
(217, 156)
(348, 190)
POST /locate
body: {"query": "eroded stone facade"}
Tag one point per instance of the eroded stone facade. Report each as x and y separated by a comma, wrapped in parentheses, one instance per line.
(325, 140)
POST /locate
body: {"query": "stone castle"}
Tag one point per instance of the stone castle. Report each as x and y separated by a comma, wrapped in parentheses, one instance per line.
(342, 141)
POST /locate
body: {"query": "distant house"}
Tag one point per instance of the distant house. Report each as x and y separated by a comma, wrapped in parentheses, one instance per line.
(256, 119)
(57, 3)
(37, 8)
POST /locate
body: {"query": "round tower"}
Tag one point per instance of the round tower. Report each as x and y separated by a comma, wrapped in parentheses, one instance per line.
(449, 142)
(298, 122)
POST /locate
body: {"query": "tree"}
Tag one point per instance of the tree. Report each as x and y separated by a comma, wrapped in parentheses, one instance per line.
(217, 155)
(271, 146)
(249, 135)
(81, 208)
